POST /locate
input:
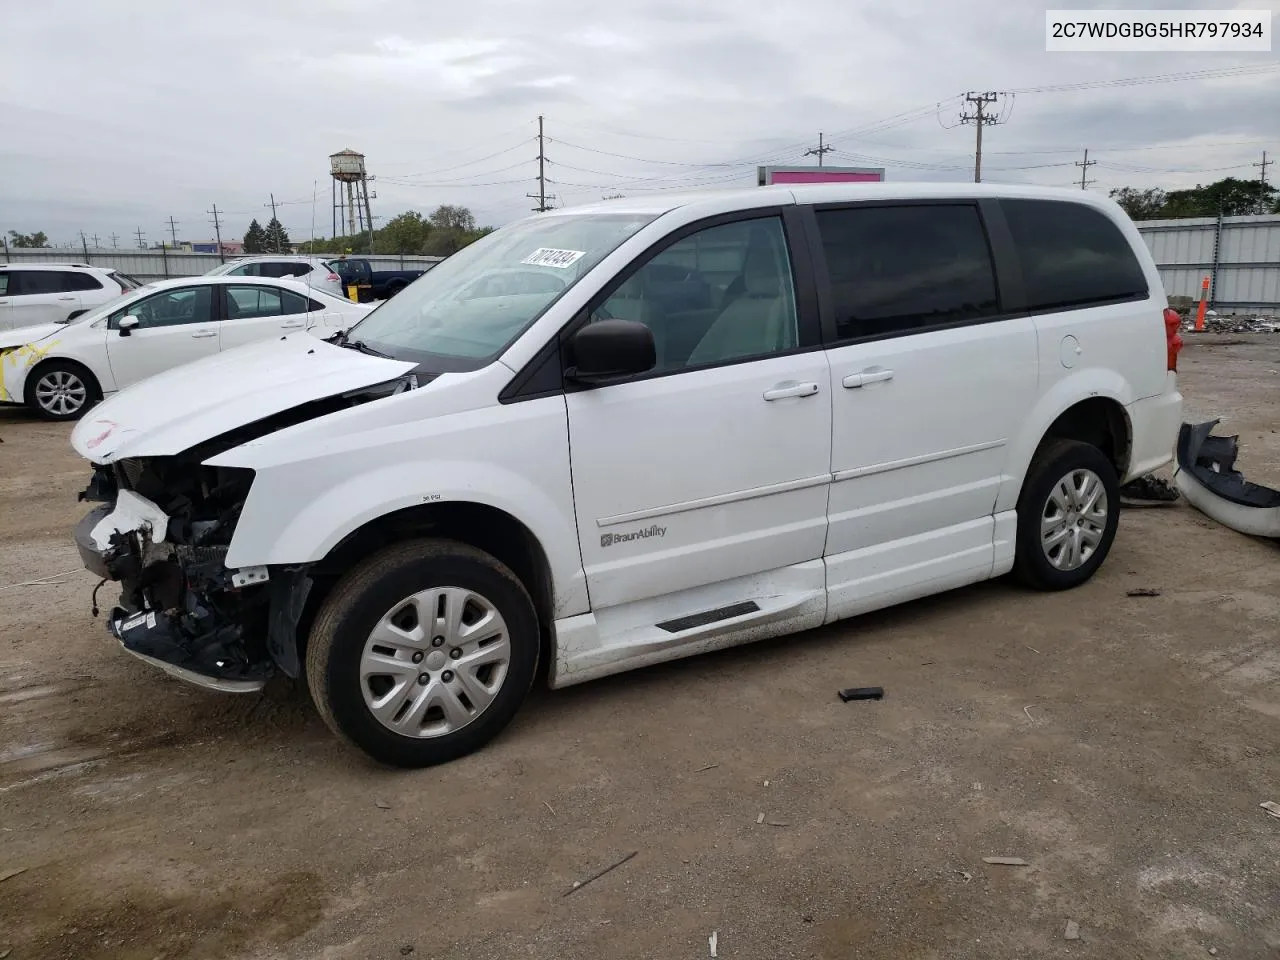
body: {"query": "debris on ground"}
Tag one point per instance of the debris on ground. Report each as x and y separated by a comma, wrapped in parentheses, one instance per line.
(1270, 806)
(548, 806)
(712, 941)
(862, 693)
(709, 766)
(382, 805)
(1148, 491)
(1233, 324)
(10, 874)
(406, 949)
(579, 884)
(1072, 932)
(1143, 592)
(1006, 861)
(1207, 477)
(760, 819)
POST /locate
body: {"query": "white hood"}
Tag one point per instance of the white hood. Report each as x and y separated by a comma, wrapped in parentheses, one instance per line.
(24, 335)
(172, 411)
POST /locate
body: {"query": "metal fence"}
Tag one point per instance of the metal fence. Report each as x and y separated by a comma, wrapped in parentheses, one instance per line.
(1239, 255)
(147, 265)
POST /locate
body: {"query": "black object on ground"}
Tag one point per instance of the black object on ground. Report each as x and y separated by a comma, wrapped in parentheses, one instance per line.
(862, 693)
(1143, 592)
(1147, 490)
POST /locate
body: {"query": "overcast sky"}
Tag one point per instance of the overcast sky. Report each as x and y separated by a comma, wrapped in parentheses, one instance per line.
(120, 115)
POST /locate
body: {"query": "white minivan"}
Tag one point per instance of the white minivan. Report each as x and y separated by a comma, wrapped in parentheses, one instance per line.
(734, 415)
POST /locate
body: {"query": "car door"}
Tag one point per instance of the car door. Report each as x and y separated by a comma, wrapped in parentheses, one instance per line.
(702, 484)
(929, 380)
(40, 296)
(175, 326)
(257, 311)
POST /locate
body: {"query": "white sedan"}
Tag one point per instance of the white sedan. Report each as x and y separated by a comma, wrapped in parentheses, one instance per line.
(59, 370)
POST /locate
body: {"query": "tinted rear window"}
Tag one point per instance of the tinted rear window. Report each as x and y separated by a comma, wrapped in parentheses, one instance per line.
(1072, 255)
(897, 269)
(82, 281)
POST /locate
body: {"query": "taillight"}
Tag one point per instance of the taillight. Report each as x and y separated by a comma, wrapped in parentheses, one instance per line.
(333, 276)
(1172, 323)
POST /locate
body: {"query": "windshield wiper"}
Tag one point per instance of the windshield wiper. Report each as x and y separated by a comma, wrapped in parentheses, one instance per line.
(364, 348)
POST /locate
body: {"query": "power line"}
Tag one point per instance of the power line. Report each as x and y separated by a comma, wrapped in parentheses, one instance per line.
(819, 150)
(1084, 166)
(1242, 70)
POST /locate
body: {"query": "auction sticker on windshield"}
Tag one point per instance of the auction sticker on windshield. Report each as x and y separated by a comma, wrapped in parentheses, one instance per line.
(551, 257)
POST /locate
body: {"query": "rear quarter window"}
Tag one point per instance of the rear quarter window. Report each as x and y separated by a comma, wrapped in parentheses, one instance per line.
(1072, 255)
(82, 281)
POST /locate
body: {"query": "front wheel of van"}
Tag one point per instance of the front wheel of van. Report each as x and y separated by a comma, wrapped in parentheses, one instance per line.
(423, 653)
(1067, 516)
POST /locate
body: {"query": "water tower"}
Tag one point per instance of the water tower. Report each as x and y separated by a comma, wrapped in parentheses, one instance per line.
(350, 193)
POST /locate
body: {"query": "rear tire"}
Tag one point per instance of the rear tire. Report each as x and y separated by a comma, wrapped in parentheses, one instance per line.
(423, 653)
(61, 390)
(1068, 513)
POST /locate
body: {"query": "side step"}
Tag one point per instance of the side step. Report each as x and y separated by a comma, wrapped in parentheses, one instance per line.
(680, 624)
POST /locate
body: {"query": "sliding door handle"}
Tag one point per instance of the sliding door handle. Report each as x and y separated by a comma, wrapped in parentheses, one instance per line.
(854, 380)
(791, 389)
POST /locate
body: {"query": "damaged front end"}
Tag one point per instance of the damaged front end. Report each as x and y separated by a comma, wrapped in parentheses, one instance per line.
(162, 533)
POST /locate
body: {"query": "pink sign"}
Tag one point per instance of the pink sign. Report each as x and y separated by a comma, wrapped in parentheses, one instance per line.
(822, 176)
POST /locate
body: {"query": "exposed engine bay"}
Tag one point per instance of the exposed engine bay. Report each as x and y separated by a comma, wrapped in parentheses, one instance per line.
(163, 531)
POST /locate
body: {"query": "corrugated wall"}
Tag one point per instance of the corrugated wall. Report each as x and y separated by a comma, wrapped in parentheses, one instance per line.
(158, 265)
(1239, 255)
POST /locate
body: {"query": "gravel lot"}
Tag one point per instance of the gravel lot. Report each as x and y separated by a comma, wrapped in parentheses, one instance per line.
(1120, 745)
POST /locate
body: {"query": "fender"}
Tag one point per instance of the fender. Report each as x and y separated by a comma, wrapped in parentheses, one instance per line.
(264, 537)
(1080, 385)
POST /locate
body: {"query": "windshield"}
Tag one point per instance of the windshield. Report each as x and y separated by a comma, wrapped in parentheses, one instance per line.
(467, 309)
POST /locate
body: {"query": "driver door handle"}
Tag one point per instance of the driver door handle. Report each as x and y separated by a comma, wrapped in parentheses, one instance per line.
(854, 380)
(66, 298)
(203, 334)
(292, 325)
(791, 389)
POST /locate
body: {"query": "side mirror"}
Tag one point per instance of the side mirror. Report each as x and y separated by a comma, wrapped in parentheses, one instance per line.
(126, 325)
(611, 348)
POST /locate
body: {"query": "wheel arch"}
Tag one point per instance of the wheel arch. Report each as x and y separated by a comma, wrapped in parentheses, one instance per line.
(35, 371)
(1090, 406)
(485, 527)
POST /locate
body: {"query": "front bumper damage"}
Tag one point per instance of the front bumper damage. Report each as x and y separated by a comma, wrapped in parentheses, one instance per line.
(162, 532)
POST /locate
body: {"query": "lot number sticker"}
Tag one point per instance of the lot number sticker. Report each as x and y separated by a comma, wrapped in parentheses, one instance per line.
(551, 257)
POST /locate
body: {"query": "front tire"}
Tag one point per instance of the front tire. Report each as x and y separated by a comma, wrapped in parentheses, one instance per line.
(1068, 513)
(60, 390)
(423, 653)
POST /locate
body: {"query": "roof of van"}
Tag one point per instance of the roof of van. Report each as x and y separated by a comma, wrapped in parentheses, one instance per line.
(659, 202)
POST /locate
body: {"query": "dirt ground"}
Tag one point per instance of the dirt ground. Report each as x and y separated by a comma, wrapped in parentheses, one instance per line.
(1120, 745)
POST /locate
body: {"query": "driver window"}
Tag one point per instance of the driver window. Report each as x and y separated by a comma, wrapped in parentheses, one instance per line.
(183, 305)
(722, 294)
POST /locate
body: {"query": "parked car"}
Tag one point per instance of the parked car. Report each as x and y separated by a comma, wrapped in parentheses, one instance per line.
(892, 390)
(32, 293)
(373, 284)
(317, 272)
(61, 369)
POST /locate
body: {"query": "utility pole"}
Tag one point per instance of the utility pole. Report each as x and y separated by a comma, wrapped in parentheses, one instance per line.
(84, 245)
(1262, 182)
(173, 231)
(115, 242)
(95, 242)
(217, 233)
(541, 195)
(142, 243)
(1084, 166)
(273, 217)
(819, 150)
(981, 118)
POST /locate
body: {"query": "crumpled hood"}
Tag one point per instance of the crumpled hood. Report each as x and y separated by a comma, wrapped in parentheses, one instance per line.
(24, 335)
(175, 410)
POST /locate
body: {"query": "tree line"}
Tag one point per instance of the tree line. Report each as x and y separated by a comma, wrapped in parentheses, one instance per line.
(445, 231)
(1228, 197)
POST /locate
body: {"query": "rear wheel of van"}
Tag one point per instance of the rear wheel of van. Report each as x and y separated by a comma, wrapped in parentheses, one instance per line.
(1067, 516)
(423, 653)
